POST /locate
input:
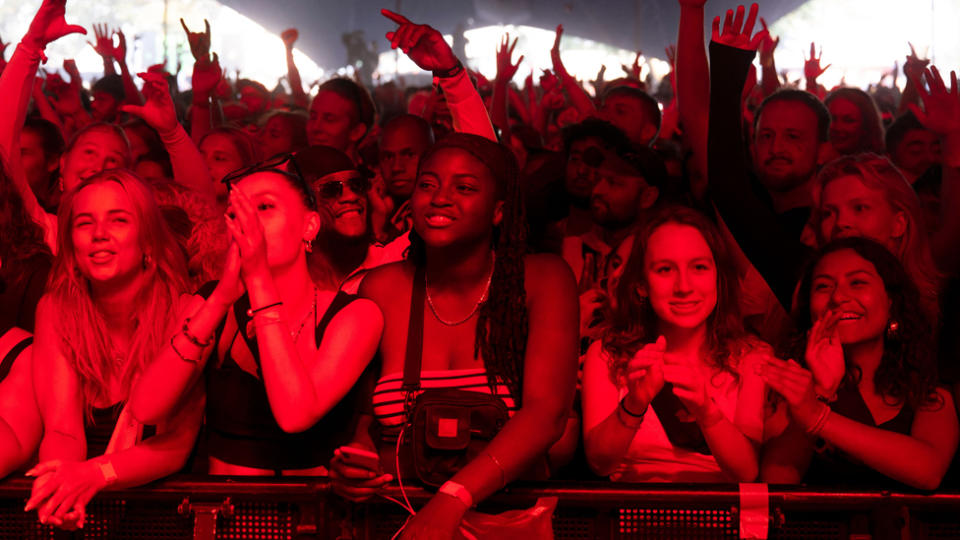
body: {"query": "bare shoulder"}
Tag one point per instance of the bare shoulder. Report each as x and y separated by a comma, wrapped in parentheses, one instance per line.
(383, 282)
(363, 311)
(549, 274)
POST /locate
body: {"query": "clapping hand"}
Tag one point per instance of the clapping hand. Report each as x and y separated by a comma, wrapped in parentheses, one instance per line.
(824, 353)
(645, 374)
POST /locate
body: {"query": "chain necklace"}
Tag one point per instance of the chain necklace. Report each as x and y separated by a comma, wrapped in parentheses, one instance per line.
(303, 321)
(483, 297)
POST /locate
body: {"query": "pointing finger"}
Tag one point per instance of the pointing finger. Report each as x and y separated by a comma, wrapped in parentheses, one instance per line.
(395, 17)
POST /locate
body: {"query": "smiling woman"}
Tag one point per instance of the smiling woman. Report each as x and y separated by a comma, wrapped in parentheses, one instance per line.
(115, 251)
(670, 393)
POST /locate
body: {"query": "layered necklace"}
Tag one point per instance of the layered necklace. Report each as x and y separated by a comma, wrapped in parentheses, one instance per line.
(483, 297)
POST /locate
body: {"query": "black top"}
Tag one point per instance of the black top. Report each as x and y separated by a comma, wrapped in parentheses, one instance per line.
(770, 241)
(833, 467)
(241, 427)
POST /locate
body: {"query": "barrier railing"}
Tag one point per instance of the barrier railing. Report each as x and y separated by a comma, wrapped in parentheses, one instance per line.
(204, 508)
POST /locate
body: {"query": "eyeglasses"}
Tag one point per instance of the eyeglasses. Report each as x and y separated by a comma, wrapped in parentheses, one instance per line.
(334, 188)
(275, 165)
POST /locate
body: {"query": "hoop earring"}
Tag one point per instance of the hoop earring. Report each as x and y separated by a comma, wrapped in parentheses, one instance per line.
(308, 246)
(893, 329)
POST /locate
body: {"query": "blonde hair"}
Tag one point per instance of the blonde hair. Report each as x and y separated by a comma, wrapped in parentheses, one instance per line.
(913, 248)
(83, 334)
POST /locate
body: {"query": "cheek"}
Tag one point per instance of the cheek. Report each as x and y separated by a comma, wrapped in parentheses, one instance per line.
(818, 304)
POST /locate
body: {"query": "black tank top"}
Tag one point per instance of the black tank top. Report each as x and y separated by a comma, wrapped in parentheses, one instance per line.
(832, 467)
(240, 425)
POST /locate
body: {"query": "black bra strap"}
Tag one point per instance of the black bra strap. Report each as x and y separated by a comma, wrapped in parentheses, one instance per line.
(7, 363)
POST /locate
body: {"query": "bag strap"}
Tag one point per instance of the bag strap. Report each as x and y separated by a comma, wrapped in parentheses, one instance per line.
(411, 364)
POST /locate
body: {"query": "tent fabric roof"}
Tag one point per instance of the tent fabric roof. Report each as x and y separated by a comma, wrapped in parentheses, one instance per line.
(648, 25)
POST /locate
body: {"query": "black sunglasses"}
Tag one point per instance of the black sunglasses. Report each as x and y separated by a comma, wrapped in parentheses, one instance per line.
(334, 188)
(275, 165)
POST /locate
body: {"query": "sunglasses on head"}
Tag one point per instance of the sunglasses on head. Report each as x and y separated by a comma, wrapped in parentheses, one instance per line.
(283, 164)
(334, 188)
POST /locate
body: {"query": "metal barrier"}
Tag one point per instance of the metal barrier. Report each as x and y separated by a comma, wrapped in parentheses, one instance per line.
(204, 508)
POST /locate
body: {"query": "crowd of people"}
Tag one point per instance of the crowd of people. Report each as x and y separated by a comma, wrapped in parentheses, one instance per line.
(727, 278)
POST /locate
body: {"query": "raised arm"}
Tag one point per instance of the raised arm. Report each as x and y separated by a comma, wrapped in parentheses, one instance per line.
(103, 46)
(753, 224)
(913, 70)
(189, 168)
(575, 93)
(131, 93)
(300, 97)
(941, 115)
(427, 48)
(769, 80)
(16, 86)
(812, 71)
(506, 69)
(206, 76)
(692, 77)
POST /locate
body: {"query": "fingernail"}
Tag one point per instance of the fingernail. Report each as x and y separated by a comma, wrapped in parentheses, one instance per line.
(389, 477)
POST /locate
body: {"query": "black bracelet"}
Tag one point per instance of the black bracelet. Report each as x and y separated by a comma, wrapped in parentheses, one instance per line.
(623, 406)
(447, 73)
(182, 357)
(251, 312)
(192, 338)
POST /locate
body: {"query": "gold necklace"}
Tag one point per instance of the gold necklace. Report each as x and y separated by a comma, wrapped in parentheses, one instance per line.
(483, 297)
(303, 321)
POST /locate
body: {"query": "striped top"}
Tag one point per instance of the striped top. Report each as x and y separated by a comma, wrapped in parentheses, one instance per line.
(388, 398)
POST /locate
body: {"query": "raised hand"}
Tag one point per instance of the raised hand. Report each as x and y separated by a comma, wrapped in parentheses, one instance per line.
(506, 69)
(120, 51)
(103, 40)
(633, 71)
(206, 77)
(671, 52)
(824, 353)
(158, 111)
(914, 66)
(767, 46)
(644, 378)
(941, 108)
(70, 66)
(422, 43)
(736, 33)
(230, 287)
(289, 37)
(199, 41)
(50, 25)
(811, 67)
(555, 55)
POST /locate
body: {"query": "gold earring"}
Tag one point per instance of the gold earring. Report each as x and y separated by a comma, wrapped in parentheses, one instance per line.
(308, 246)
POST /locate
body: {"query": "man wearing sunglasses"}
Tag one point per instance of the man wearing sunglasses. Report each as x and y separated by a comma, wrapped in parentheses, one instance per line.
(346, 246)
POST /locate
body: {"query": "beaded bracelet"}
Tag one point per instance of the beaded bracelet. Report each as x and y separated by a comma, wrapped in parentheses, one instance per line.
(192, 338)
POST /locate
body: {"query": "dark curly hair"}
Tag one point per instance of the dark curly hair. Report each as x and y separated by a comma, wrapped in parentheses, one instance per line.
(631, 323)
(908, 368)
(502, 326)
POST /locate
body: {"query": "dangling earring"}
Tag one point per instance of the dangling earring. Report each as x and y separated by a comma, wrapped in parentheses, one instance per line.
(893, 328)
(308, 246)
(60, 182)
(146, 261)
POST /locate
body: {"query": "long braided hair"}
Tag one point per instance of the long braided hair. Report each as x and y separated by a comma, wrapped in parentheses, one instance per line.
(502, 325)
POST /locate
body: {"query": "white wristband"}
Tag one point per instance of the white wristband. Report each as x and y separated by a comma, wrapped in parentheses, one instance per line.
(108, 472)
(456, 490)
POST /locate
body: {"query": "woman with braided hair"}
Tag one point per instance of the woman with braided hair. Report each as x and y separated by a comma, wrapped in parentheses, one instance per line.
(495, 320)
